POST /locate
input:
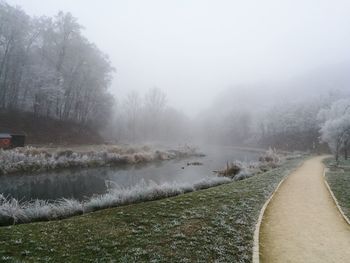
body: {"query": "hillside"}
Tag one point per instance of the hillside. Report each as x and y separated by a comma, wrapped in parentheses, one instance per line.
(43, 130)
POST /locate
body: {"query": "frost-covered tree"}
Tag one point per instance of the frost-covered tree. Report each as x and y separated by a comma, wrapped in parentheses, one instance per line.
(15, 40)
(292, 125)
(49, 68)
(252, 120)
(335, 127)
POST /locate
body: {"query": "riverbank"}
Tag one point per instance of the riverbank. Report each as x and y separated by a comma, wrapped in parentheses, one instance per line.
(216, 224)
(38, 159)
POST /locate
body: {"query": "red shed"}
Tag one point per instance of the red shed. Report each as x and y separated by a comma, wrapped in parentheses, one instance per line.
(5, 140)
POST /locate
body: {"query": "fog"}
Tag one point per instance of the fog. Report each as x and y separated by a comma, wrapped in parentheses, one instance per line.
(258, 74)
(192, 50)
(109, 104)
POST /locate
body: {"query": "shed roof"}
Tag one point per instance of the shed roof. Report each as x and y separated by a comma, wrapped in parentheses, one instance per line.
(5, 136)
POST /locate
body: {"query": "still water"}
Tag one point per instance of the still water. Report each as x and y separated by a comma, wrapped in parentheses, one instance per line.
(83, 183)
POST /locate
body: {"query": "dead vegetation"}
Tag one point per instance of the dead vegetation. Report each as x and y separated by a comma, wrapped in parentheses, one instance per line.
(231, 170)
(240, 170)
(32, 159)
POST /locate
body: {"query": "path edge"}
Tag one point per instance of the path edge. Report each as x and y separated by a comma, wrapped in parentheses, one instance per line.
(256, 239)
(334, 198)
(256, 248)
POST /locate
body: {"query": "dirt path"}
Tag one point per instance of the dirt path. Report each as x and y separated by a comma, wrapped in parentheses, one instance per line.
(302, 223)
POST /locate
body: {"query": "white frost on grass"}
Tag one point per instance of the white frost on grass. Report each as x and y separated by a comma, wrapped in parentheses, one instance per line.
(12, 211)
(31, 159)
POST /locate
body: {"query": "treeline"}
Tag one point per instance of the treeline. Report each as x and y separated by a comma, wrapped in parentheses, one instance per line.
(315, 123)
(293, 125)
(49, 68)
(148, 117)
(335, 127)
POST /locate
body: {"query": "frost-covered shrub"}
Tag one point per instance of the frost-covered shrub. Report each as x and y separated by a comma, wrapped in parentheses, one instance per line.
(270, 156)
(210, 183)
(231, 169)
(30, 159)
(243, 175)
(241, 170)
(12, 211)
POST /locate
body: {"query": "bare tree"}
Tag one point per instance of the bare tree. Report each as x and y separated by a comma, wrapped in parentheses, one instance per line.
(132, 106)
(154, 105)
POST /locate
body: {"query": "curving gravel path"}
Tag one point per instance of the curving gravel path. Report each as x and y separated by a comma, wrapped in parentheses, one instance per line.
(302, 223)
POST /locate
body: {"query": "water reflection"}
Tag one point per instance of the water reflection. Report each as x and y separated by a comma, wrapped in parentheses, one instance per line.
(83, 183)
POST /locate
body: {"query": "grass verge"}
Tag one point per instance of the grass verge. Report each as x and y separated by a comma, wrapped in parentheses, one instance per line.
(213, 225)
(338, 179)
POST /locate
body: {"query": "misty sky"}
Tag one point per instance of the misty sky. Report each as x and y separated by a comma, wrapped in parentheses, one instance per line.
(192, 49)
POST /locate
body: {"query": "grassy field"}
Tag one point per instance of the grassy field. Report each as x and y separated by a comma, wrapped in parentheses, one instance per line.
(339, 180)
(213, 225)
